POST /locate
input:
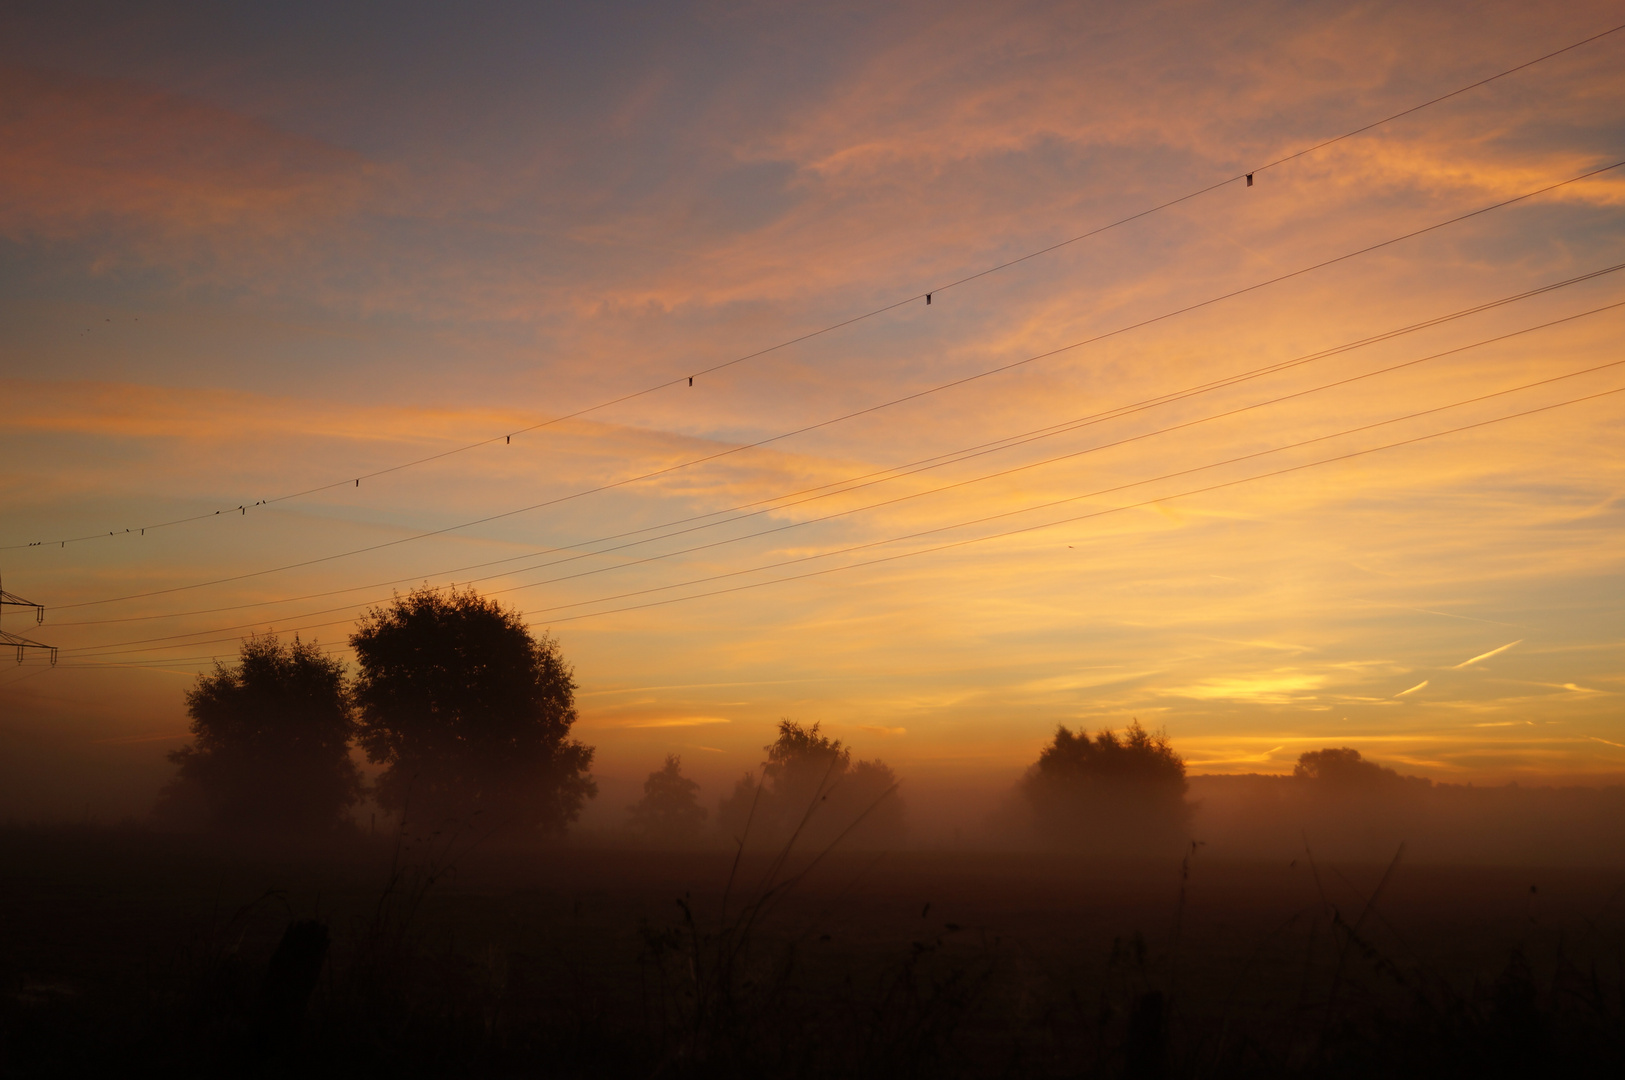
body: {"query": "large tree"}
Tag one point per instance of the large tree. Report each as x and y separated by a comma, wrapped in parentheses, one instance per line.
(470, 713)
(1123, 794)
(270, 746)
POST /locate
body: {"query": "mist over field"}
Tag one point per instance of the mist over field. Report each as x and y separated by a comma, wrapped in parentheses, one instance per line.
(1246, 816)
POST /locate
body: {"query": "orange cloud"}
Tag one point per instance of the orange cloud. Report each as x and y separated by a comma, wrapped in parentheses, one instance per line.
(176, 178)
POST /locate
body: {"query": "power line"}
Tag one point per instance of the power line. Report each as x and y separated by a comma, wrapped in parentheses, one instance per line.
(1064, 457)
(1442, 98)
(1100, 513)
(1033, 528)
(1105, 491)
(507, 437)
(951, 384)
(28, 675)
(855, 483)
(166, 663)
(936, 490)
(989, 476)
(1249, 174)
(116, 648)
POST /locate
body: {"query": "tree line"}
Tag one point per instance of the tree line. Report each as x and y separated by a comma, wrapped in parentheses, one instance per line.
(809, 792)
(468, 714)
(466, 710)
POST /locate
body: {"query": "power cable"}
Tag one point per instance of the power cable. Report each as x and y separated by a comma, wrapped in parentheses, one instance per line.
(962, 381)
(507, 437)
(1100, 513)
(878, 476)
(1072, 455)
(1103, 491)
(930, 491)
(855, 483)
(1019, 531)
(113, 649)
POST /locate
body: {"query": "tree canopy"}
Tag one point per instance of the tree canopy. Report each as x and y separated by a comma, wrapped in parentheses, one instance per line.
(1119, 793)
(670, 810)
(270, 746)
(469, 712)
(1343, 769)
(809, 783)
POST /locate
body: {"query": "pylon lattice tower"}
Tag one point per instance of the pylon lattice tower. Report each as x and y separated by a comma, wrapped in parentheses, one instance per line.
(17, 641)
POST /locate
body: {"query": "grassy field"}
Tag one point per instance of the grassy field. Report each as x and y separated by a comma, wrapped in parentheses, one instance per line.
(126, 948)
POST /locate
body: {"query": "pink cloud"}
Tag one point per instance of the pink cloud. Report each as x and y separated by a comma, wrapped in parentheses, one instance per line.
(173, 178)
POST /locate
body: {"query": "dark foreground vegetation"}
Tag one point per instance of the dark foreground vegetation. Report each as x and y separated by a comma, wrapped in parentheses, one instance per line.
(130, 952)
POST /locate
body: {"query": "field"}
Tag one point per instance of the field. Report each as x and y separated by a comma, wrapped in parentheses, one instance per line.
(126, 950)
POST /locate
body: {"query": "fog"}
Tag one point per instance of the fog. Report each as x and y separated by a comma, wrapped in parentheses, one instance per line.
(948, 923)
(1274, 817)
(56, 772)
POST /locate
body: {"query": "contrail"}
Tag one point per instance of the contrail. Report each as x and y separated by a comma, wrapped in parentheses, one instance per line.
(1486, 656)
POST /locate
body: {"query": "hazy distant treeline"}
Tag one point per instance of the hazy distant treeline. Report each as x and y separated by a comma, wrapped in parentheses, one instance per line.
(808, 792)
(469, 716)
(1339, 805)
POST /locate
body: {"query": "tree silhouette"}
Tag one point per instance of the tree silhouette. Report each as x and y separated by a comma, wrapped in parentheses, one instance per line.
(669, 812)
(1343, 768)
(469, 713)
(1122, 794)
(812, 790)
(270, 746)
(870, 789)
(802, 768)
(1357, 792)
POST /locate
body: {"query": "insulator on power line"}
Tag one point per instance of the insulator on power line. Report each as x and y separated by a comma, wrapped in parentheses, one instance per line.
(1249, 179)
(691, 380)
(927, 299)
(507, 440)
(17, 640)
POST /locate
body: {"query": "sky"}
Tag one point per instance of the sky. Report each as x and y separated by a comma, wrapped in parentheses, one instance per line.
(1331, 458)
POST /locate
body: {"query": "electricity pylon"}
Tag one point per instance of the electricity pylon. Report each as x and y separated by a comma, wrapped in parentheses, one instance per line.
(17, 641)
